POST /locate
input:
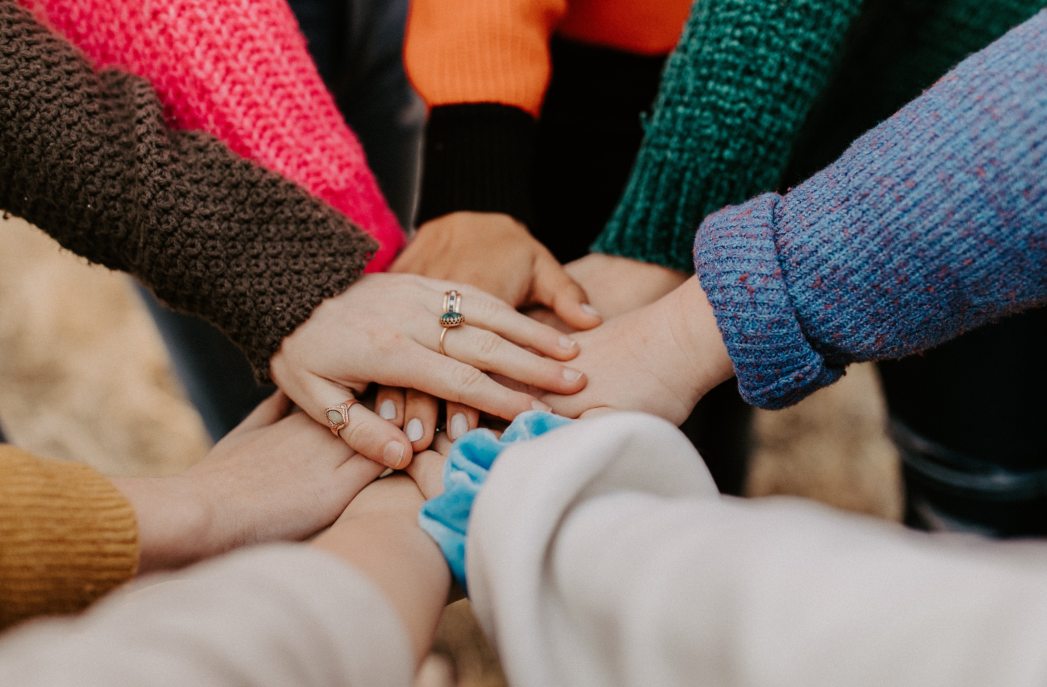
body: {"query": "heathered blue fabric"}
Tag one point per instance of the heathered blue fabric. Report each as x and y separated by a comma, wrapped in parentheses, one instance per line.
(931, 224)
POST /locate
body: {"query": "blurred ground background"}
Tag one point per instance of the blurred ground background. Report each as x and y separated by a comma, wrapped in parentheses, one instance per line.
(84, 376)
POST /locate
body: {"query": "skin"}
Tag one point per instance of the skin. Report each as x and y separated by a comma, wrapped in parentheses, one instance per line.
(661, 359)
(307, 476)
(393, 341)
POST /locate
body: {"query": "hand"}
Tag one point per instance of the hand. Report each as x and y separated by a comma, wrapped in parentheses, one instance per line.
(416, 413)
(619, 285)
(659, 359)
(497, 254)
(385, 329)
(271, 478)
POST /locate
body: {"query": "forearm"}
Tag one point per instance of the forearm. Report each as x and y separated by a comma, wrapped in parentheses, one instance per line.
(379, 537)
(720, 133)
(88, 158)
(929, 225)
(67, 536)
(267, 616)
(244, 75)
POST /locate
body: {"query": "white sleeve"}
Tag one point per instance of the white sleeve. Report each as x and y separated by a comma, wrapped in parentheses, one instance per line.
(600, 554)
(268, 616)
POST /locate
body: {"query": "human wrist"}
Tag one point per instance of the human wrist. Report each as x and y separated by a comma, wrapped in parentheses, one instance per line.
(693, 324)
(174, 521)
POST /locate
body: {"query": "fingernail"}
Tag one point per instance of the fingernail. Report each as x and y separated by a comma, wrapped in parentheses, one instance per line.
(571, 375)
(538, 405)
(393, 454)
(459, 425)
(387, 411)
(567, 343)
(414, 429)
(590, 310)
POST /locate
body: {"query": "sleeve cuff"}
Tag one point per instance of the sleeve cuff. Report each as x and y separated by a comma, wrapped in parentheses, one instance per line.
(478, 157)
(737, 263)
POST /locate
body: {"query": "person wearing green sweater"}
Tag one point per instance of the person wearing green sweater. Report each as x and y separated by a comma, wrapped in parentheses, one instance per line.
(776, 90)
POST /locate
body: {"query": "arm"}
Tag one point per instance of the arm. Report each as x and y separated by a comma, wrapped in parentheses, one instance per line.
(244, 76)
(630, 569)
(88, 157)
(68, 535)
(733, 98)
(930, 225)
(356, 607)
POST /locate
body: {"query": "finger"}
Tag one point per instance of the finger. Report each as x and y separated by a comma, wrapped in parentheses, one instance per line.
(268, 411)
(452, 380)
(489, 352)
(553, 287)
(355, 474)
(487, 312)
(460, 419)
(421, 411)
(389, 404)
(442, 444)
(366, 433)
(427, 470)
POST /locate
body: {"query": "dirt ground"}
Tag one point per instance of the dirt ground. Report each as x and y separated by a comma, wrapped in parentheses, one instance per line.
(84, 376)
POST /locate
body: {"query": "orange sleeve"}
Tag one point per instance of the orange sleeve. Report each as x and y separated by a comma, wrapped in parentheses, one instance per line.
(67, 536)
(481, 51)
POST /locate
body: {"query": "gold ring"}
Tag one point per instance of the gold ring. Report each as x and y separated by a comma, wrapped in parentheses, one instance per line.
(443, 333)
(452, 316)
(338, 416)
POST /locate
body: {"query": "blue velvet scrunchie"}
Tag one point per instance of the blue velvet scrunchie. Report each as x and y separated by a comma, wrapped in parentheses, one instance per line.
(446, 517)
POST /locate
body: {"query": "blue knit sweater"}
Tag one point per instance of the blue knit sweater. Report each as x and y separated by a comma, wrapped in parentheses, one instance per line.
(931, 224)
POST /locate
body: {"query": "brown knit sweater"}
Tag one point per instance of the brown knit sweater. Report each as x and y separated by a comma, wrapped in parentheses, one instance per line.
(67, 536)
(87, 157)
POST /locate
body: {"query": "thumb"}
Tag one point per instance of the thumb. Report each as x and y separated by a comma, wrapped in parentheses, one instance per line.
(555, 289)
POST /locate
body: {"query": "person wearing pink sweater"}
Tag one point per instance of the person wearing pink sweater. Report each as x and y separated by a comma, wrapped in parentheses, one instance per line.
(241, 72)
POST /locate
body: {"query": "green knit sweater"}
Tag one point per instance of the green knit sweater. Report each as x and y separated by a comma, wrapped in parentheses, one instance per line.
(760, 92)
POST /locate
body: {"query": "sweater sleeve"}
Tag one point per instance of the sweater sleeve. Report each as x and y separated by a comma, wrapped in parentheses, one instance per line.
(933, 223)
(87, 156)
(266, 616)
(735, 93)
(241, 72)
(482, 67)
(67, 536)
(602, 554)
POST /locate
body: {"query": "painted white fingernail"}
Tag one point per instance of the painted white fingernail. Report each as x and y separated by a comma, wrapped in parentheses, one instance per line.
(387, 410)
(393, 454)
(414, 429)
(567, 343)
(590, 310)
(459, 425)
(538, 405)
(571, 375)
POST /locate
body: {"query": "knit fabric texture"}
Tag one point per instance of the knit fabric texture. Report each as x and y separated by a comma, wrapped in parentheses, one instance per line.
(933, 223)
(88, 157)
(735, 91)
(240, 71)
(68, 536)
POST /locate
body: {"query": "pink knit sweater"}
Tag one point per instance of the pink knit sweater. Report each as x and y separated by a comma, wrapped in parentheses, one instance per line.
(239, 70)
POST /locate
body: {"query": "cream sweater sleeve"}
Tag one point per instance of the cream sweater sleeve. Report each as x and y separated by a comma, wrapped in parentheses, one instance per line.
(67, 536)
(271, 616)
(629, 569)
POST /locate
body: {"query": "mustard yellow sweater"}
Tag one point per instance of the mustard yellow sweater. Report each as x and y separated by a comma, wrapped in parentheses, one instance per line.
(67, 536)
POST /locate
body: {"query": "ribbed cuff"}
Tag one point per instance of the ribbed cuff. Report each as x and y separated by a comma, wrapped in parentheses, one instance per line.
(737, 263)
(68, 536)
(478, 157)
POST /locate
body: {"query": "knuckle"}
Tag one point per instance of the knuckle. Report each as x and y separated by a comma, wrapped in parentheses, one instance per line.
(488, 345)
(467, 377)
